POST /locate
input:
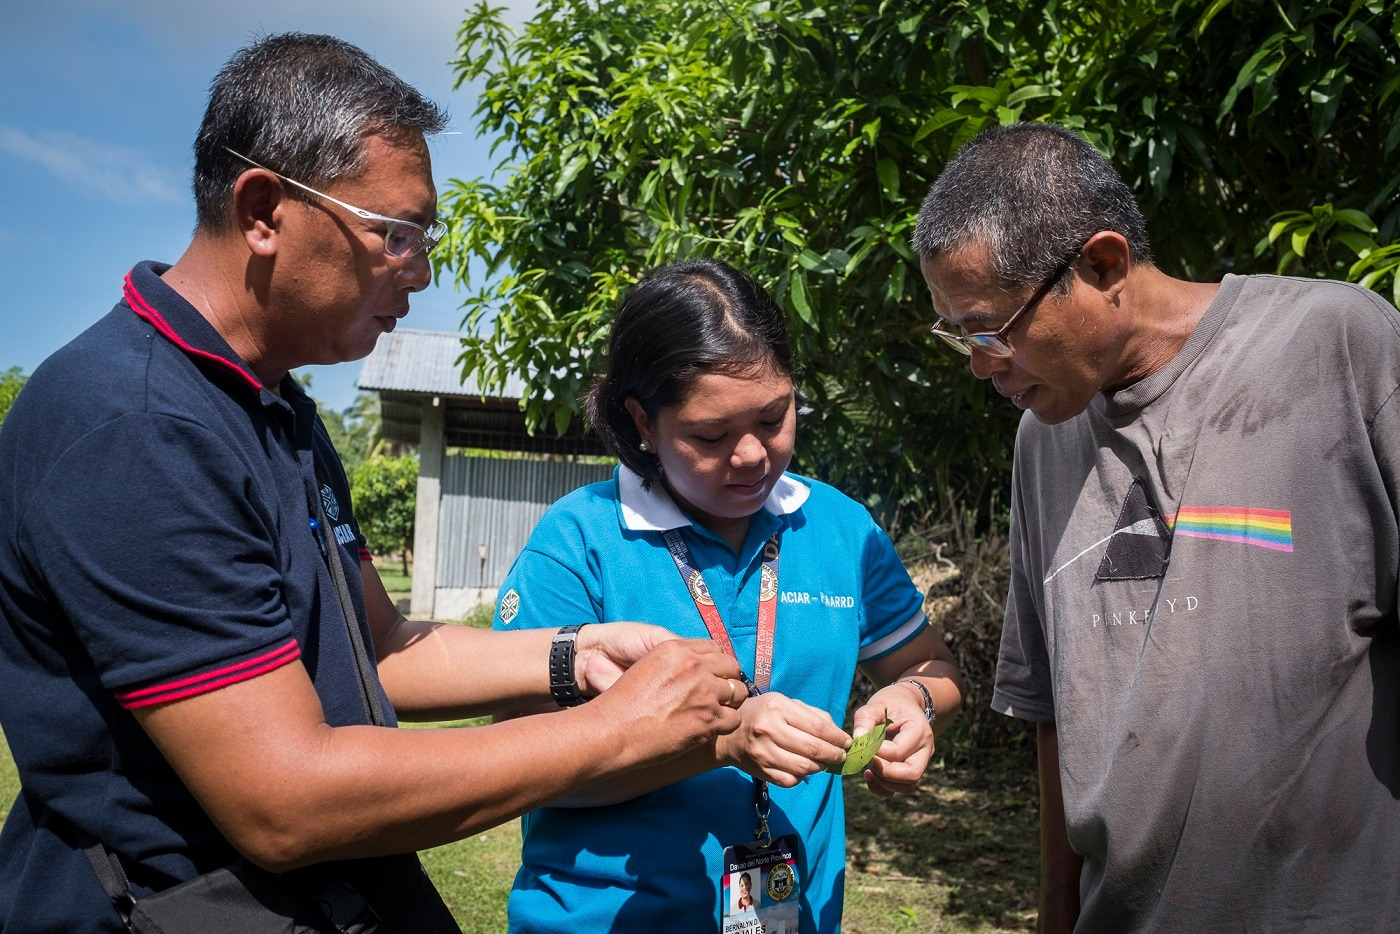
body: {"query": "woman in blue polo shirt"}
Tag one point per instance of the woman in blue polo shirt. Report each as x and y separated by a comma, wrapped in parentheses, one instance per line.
(702, 530)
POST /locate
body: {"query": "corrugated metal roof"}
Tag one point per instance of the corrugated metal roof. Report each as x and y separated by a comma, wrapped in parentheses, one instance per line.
(410, 360)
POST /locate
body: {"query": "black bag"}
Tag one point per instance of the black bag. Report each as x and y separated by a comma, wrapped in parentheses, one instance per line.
(333, 898)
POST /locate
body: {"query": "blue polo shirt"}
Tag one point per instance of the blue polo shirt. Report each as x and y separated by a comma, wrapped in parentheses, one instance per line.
(653, 863)
(154, 545)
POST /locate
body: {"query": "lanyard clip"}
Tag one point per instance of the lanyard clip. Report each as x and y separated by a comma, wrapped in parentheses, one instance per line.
(762, 807)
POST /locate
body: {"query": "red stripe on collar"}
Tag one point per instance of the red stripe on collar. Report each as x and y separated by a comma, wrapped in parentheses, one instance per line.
(144, 310)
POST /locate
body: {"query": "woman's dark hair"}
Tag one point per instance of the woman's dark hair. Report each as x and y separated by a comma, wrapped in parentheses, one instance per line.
(679, 323)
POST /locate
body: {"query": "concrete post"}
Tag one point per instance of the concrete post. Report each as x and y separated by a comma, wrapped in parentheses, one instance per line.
(431, 448)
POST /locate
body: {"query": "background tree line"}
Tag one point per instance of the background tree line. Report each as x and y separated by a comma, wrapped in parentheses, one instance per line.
(797, 137)
(383, 483)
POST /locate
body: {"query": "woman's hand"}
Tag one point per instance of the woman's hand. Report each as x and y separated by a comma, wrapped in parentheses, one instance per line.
(908, 745)
(603, 651)
(782, 740)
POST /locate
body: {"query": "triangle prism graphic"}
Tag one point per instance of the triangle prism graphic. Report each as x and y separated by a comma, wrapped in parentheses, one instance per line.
(1141, 544)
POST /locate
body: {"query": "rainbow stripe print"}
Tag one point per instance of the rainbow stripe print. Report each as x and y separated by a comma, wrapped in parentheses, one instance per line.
(1248, 525)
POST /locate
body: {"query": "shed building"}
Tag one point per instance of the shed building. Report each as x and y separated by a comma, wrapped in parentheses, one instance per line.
(474, 511)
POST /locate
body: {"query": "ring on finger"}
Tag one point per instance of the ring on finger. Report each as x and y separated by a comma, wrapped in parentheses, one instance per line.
(730, 700)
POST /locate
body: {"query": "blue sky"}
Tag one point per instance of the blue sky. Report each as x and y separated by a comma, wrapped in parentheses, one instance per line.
(99, 103)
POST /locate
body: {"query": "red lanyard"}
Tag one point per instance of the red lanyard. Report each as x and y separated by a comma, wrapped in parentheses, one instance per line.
(767, 604)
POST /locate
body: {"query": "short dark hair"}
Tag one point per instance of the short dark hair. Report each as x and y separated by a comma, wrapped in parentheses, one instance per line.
(678, 323)
(300, 105)
(1030, 193)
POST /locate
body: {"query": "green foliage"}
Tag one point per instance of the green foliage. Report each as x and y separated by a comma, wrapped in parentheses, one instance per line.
(9, 779)
(355, 430)
(796, 137)
(384, 491)
(11, 382)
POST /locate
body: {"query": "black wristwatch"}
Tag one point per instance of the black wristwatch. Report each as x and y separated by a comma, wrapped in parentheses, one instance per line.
(563, 686)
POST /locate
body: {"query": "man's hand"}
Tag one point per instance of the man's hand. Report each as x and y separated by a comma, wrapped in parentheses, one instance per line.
(603, 651)
(782, 740)
(908, 745)
(672, 699)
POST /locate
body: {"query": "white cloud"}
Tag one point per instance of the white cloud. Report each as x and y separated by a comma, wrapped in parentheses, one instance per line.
(415, 38)
(103, 170)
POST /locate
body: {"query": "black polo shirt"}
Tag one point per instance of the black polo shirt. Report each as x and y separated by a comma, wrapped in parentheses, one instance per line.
(155, 544)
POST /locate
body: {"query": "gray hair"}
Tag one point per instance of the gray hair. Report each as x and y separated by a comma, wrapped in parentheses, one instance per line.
(1030, 193)
(301, 105)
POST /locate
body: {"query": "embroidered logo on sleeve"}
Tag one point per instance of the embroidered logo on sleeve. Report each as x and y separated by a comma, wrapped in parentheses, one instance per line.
(510, 606)
(330, 503)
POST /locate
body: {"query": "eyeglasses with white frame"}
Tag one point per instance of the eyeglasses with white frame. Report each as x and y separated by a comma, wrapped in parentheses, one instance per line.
(402, 239)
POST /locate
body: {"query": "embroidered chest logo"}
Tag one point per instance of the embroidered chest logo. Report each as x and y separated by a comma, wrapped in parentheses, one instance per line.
(330, 503)
(699, 590)
(510, 606)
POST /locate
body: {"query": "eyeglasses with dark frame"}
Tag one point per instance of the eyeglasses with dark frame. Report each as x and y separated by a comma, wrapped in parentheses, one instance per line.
(995, 343)
(402, 239)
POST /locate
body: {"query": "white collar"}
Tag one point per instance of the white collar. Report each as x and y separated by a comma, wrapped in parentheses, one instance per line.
(653, 510)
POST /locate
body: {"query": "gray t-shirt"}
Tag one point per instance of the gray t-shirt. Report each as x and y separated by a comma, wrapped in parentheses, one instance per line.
(1203, 600)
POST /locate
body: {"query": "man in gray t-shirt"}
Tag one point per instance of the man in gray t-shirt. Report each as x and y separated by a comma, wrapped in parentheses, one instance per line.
(1204, 543)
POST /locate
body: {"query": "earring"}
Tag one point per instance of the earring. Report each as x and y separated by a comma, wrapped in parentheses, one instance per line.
(644, 447)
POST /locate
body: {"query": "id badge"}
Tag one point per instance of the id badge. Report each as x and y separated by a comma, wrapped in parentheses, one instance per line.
(759, 891)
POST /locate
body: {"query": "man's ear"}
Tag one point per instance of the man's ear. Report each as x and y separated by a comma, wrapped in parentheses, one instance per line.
(1105, 260)
(258, 201)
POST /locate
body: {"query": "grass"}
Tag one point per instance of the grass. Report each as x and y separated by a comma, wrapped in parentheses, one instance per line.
(395, 580)
(9, 778)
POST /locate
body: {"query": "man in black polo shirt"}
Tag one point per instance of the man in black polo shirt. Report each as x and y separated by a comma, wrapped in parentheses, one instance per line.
(180, 681)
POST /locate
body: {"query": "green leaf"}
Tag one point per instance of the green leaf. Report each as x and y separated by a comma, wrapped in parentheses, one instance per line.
(938, 121)
(1279, 227)
(1247, 73)
(563, 416)
(1355, 218)
(798, 291)
(569, 173)
(1211, 12)
(889, 177)
(863, 749)
(1028, 93)
(1298, 242)
(1358, 243)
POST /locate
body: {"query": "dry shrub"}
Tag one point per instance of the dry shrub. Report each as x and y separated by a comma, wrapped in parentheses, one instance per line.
(963, 573)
